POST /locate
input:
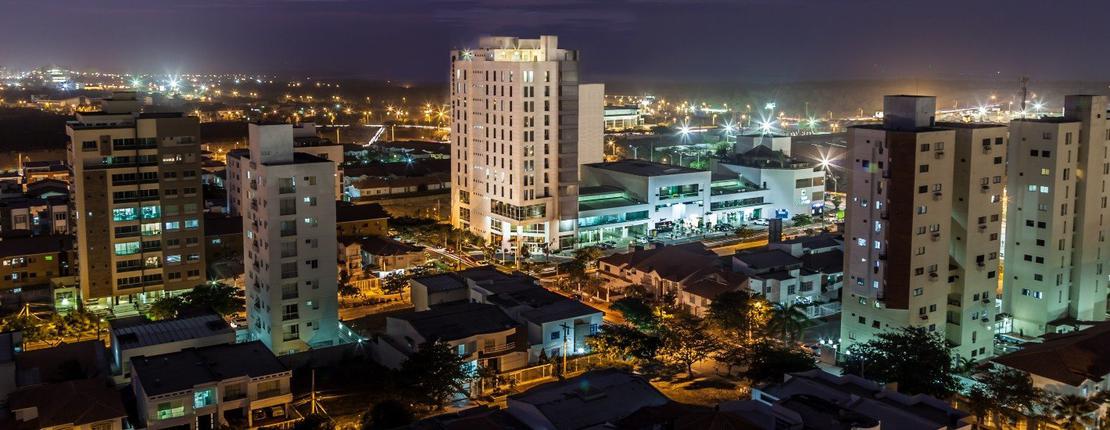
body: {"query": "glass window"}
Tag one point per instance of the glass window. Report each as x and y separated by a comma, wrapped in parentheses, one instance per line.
(127, 248)
(173, 225)
(124, 214)
(152, 212)
(203, 398)
(152, 229)
(192, 223)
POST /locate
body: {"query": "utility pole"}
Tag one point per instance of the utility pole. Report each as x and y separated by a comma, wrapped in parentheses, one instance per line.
(566, 333)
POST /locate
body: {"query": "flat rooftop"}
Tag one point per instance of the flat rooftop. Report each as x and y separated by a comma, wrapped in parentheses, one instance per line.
(185, 369)
(457, 320)
(643, 168)
(1048, 120)
(137, 332)
(948, 124)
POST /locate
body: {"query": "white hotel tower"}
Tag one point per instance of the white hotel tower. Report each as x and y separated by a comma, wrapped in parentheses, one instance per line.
(289, 244)
(521, 126)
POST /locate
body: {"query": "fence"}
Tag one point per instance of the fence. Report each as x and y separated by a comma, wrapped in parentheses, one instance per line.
(537, 373)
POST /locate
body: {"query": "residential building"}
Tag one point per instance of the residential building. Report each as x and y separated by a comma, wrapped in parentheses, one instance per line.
(83, 404)
(818, 399)
(897, 234)
(289, 244)
(223, 245)
(361, 220)
(1056, 251)
(378, 256)
(519, 131)
(138, 336)
(306, 141)
(136, 194)
(978, 157)
(35, 215)
(1074, 363)
(806, 271)
(481, 333)
(27, 262)
(597, 399)
(636, 198)
(691, 272)
(239, 385)
(551, 324)
(794, 186)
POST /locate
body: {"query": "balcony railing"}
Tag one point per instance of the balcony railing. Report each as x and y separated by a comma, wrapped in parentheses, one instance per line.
(499, 348)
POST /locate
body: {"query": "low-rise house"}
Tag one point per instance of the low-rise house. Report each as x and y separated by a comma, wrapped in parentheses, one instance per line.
(32, 261)
(817, 399)
(807, 271)
(690, 272)
(482, 334)
(594, 400)
(238, 385)
(84, 404)
(138, 336)
(361, 220)
(552, 324)
(35, 215)
(1075, 363)
(379, 256)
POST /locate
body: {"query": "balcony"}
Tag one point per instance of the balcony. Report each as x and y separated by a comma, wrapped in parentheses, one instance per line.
(499, 348)
(269, 393)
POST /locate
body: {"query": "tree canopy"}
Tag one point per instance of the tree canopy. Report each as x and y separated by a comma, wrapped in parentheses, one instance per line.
(219, 298)
(919, 361)
(433, 374)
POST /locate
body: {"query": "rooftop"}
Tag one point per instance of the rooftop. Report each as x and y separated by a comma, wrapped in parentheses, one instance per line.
(969, 125)
(643, 168)
(79, 402)
(377, 245)
(453, 321)
(766, 258)
(347, 212)
(1047, 120)
(137, 332)
(33, 245)
(674, 262)
(1070, 358)
(441, 282)
(182, 370)
(590, 400)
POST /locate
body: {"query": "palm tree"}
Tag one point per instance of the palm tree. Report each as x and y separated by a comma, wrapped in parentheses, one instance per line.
(787, 321)
(1073, 412)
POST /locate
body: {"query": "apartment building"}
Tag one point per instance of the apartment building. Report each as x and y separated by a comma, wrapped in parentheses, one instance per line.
(137, 203)
(980, 170)
(289, 245)
(897, 231)
(521, 125)
(1056, 249)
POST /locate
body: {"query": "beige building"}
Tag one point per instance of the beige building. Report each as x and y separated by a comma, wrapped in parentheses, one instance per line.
(138, 204)
(897, 231)
(521, 126)
(1056, 251)
(980, 171)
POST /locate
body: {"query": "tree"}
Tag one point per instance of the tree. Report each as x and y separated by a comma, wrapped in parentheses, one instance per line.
(787, 322)
(166, 307)
(584, 259)
(686, 341)
(802, 220)
(919, 361)
(769, 361)
(433, 374)
(744, 232)
(979, 403)
(395, 284)
(1009, 392)
(836, 201)
(387, 414)
(637, 312)
(624, 342)
(738, 313)
(219, 298)
(1073, 412)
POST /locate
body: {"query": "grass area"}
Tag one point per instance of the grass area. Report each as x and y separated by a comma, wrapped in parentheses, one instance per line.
(703, 389)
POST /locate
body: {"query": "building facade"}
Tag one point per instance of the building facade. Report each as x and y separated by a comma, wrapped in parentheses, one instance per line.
(519, 131)
(289, 245)
(897, 234)
(138, 204)
(1056, 251)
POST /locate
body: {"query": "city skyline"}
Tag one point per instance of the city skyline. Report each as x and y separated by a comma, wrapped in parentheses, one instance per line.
(705, 41)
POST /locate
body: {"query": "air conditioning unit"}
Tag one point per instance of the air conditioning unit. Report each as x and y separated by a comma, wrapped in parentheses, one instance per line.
(985, 188)
(936, 235)
(939, 154)
(982, 227)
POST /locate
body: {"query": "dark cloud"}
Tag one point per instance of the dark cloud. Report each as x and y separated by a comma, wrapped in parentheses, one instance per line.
(667, 40)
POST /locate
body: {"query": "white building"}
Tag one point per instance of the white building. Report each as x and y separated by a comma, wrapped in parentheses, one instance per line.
(289, 245)
(623, 117)
(521, 126)
(1056, 251)
(793, 186)
(774, 142)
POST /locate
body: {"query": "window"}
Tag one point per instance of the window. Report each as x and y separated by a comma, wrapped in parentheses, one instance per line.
(173, 225)
(924, 168)
(124, 214)
(555, 335)
(192, 223)
(172, 409)
(289, 312)
(204, 397)
(173, 259)
(310, 180)
(286, 186)
(311, 201)
(127, 248)
(288, 332)
(152, 212)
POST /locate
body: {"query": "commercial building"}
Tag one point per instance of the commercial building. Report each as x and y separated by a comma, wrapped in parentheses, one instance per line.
(794, 187)
(897, 232)
(1056, 250)
(623, 117)
(137, 201)
(289, 244)
(637, 198)
(238, 385)
(975, 245)
(521, 125)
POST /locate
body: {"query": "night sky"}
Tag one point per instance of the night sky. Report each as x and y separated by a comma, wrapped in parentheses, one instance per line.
(641, 40)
